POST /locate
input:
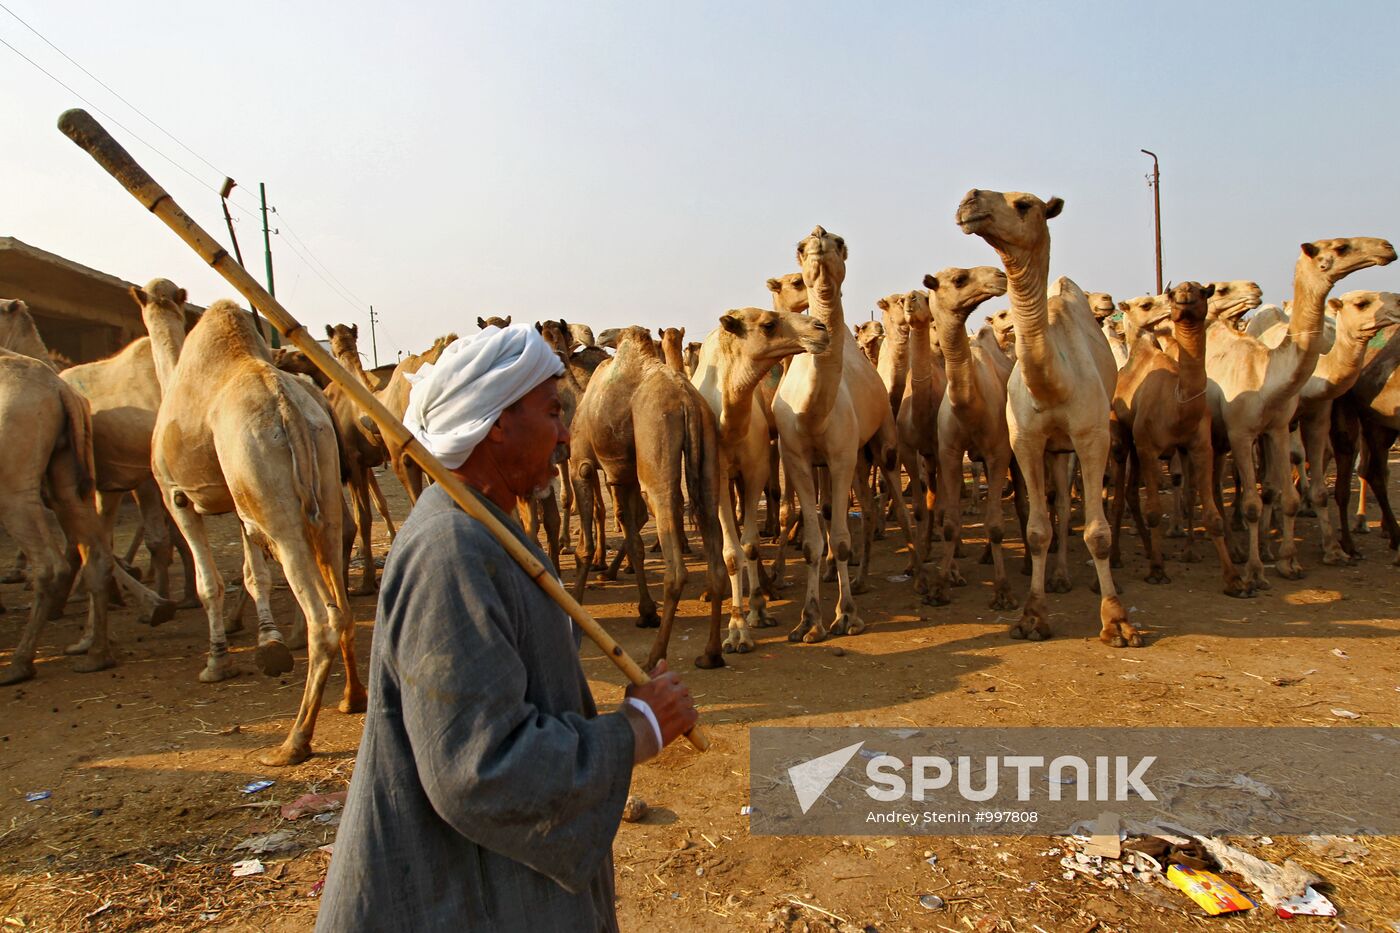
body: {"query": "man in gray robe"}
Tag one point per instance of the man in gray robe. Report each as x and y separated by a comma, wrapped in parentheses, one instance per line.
(487, 789)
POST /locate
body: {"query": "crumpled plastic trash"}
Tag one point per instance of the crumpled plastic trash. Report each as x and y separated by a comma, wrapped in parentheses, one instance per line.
(248, 867)
(280, 841)
(313, 803)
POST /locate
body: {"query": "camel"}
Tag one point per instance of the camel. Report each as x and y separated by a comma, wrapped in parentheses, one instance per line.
(582, 336)
(1159, 408)
(236, 434)
(361, 450)
(1360, 316)
(19, 335)
(789, 297)
(1003, 327)
(1231, 301)
(394, 397)
(485, 322)
(292, 360)
(672, 344)
(1058, 397)
(892, 361)
(829, 406)
(734, 360)
(1101, 305)
(1366, 421)
(869, 337)
(692, 357)
(644, 425)
(916, 425)
(971, 422)
(1253, 391)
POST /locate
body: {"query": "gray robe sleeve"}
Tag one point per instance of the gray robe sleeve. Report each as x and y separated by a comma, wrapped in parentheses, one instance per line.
(544, 790)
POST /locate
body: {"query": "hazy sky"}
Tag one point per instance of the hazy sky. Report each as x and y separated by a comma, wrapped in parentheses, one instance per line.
(619, 163)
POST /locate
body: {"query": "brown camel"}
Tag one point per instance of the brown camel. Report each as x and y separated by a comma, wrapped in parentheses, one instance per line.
(916, 423)
(829, 406)
(1058, 398)
(1366, 420)
(734, 359)
(892, 362)
(394, 397)
(869, 337)
(692, 357)
(361, 450)
(1159, 408)
(236, 434)
(648, 429)
(485, 322)
(1254, 390)
(672, 344)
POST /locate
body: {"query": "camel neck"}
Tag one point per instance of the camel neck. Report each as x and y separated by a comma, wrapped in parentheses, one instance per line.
(25, 340)
(350, 359)
(1309, 304)
(672, 354)
(1340, 366)
(957, 362)
(1030, 309)
(167, 338)
(921, 375)
(1190, 338)
(739, 380)
(827, 367)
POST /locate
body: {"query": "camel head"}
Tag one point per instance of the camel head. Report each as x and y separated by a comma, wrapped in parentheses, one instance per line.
(1333, 260)
(582, 335)
(1101, 303)
(869, 336)
(1004, 328)
(789, 293)
(768, 337)
(1365, 314)
(15, 323)
(1231, 301)
(674, 338)
(1146, 314)
(1190, 302)
(822, 257)
(345, 339)
(634, 338)
(160, 297)
(1011, 222)
(557, 335)
(894, 317)
(485, 322)
(959, 291)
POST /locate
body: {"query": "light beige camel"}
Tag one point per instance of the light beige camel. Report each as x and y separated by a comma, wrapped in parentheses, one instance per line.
(361, 450)
(1058, 397)
(394, 397)
(236, 434)
(1231, 301)
(1101, 305)
(1159, 408)
(1253, 392)
(916, 425)
(734, 360)
(1366, 421)
(1360, 316)
(648, 429)
(19, 335)
(1003, 327)
(971, 422)
(789, 297)
(869, 336)
(892, 362)
(829, 406)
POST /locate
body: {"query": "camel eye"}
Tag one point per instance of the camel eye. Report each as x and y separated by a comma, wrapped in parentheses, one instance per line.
(768, 325)
(1343, 249)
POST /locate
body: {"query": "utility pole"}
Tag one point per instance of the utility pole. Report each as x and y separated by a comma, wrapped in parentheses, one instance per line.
(267, 252)
(372, 341)
(229, 184)
(1155, 182)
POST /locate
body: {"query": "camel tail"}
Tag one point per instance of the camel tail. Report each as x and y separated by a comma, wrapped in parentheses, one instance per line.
(701, 454)
(79, 417)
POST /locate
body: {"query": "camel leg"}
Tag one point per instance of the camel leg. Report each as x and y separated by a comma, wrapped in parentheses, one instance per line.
(773, 495)
(1345, 434)
(273, 657)
(810, 627)
(996, 471)
(1361, 527)
(841, 470)
(1115, 629)
(209, 582)
(26, 520)
(739, 638)
(566, 508)
(583, 496)
(1059, 467)
(1021, 502)
(1200, 457)
(1316, 451)
(317, 601)
(600, 521)
(948, 515)
(1146, 457)
(381, 504)
(364, 527)
(1120, 502)
(632, 511)
(1251, 506)
(1177, 469)
(1034, 624)
(1378, 440)
(1286, 495)
(865, 497)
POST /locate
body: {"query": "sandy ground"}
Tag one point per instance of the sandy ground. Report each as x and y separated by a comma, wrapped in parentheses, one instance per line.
(145, 763)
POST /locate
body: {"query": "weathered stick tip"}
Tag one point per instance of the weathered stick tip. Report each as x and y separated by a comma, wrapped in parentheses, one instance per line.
(75, 120)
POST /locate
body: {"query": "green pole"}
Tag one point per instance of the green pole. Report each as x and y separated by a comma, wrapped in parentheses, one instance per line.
(267, 254)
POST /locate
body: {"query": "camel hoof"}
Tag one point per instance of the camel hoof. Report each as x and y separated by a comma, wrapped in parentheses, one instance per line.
(649, 620)
(215, 671)
(1238, 589)
(1157, 577)
(79, 647)
(764, 621)
(1335, 559)
(955, 578)
(938, 597)
(273, 658)
(847, 624)
(356, 702)
(708, 662)
(1361, 528)
(161, 613)
(1289, 569)
(367, 588)
(1059, 582)
(1238, 555)
(738, 644)
(1176, 532)
(16, 673)
(860, 586)
(815, 634)
(191, 602)
(1189, 556)
(90, 663)
(286, 754)
(1307, 511)
(1003, 600)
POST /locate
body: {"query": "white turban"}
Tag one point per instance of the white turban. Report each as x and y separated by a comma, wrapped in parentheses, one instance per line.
(454, 402)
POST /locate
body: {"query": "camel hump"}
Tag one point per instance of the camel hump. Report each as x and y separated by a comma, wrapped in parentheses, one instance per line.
(231, 330)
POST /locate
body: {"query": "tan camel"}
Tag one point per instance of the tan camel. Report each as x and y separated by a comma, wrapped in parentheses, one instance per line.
(1360, 316)
(734, 360)
(916, 424)
(1003, 327)
(19, 335)
(1253, 392)
(1101, 305)
(971, 422)
(1159, 408)
(236, 434)
(1058, 397)
(361, 450)
(672, 344)
(692, 357)
(829, 406)
(892, 362)
(789, 297)
(1366, 420)
(1231, 301)
(292, 360)
(869, 336)
(394, 397)
(648, 429)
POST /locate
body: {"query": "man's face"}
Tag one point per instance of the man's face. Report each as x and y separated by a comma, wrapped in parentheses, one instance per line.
(527, 435)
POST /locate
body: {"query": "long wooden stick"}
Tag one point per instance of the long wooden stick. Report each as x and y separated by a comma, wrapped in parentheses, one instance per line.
(80, 127)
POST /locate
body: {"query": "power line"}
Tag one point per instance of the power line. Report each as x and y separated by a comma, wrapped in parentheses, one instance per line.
(282, 222)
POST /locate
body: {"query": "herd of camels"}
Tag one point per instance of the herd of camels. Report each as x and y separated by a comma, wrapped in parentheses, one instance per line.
(1062, 393)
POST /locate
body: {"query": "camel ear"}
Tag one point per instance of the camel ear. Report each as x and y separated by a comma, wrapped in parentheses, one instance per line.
(1208, 290)
(931, 282)
(1053, 207)
(563, 325)
(882, 304)
(1334, 305)
(481, 323)
(330, 332)
(682, 334)
(774, 285)
(1310, 250)
(6, 307)
(508, 317)
(355, 331)
(732, 323)
(539, 328)
(139, 294)
(180, 297)
(1122, 306)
